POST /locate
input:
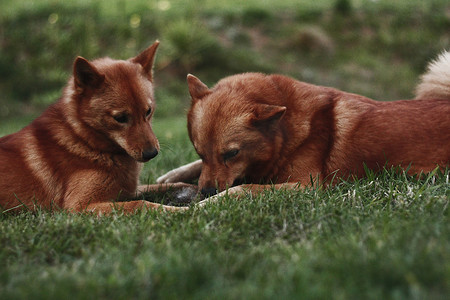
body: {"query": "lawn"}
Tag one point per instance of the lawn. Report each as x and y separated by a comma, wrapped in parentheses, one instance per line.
(383, 237)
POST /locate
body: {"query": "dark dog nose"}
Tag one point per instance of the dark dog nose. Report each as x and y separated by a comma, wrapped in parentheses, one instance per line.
(149, 154)
(208, 192)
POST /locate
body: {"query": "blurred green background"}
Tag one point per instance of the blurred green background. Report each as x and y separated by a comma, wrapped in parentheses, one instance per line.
(370, 47)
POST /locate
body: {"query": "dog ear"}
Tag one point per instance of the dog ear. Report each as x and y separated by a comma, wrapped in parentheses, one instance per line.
(197, 89)
(267, 114)
(146, 58)
(86, 74)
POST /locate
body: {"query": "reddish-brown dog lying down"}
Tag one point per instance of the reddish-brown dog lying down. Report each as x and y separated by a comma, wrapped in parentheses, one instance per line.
(273, 129)
(86, 150)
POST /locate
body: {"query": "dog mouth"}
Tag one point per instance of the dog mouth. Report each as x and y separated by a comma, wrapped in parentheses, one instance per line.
(211, 191)
(238, 181)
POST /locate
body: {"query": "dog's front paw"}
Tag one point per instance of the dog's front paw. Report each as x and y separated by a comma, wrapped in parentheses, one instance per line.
(236, 191)
(169, 177)
(186, 173)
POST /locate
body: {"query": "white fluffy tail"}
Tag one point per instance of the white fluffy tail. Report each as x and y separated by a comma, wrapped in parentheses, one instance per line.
(435, 83)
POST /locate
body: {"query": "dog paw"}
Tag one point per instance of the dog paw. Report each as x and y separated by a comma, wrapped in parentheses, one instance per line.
(169, 177)
(234, 192)
(186, 173)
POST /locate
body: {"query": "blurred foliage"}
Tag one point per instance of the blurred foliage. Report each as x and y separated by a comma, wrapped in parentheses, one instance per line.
(375, 48)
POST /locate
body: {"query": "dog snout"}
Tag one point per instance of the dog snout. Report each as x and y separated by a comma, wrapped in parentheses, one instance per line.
(208, 191)
(149, 154)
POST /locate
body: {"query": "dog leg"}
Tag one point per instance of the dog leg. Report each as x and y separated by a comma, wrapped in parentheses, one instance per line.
(184, 173)
(240, 190)
(163, 187)
(104, 208)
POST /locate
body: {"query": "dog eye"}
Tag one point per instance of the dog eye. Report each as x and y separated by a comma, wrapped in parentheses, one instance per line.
(230, 154)
(149, 111)
(121, 118)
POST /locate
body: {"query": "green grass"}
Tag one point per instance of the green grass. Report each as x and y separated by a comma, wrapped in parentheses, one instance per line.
(385, 237)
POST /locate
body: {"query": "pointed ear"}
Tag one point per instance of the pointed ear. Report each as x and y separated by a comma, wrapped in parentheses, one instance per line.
(197, 89)
(86, 74)
(146, 58)
(265, 114)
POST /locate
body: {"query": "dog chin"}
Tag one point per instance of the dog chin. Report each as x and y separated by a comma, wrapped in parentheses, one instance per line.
(141, 160)
(238, 181)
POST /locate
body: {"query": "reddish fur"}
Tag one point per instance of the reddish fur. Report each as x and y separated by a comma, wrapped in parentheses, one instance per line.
(324, 132)
(75, 156)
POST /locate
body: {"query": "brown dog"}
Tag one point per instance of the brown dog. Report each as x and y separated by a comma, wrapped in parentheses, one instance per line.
(273, 129)
(87, 149)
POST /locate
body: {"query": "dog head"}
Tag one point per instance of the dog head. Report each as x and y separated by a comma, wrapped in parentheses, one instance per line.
(235, 128)
(112, 103)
